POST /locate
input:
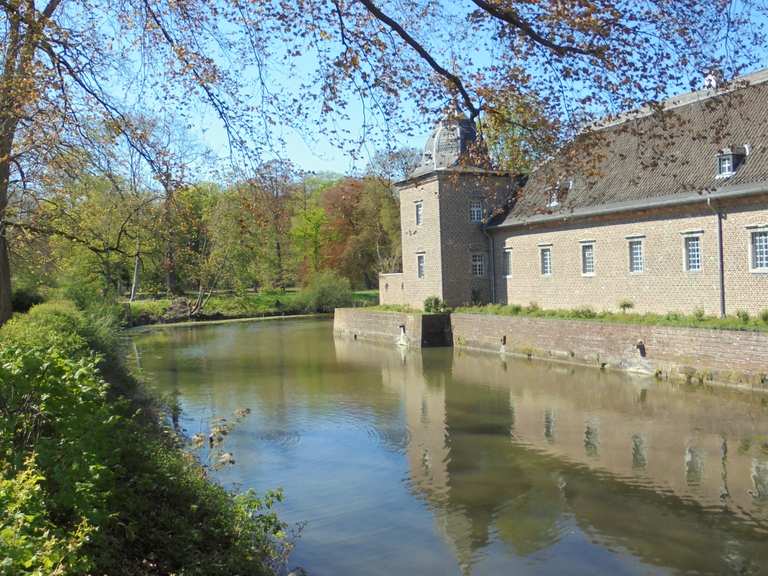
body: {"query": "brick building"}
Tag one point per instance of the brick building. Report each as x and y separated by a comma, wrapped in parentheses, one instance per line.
(665, 209)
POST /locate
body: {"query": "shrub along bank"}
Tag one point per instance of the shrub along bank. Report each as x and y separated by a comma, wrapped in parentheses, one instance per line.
(325, 292)
(91, 482)
(741, 321)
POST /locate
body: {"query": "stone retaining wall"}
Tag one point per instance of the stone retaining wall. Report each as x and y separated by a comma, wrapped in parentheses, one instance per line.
(415, 330)
(693, 354)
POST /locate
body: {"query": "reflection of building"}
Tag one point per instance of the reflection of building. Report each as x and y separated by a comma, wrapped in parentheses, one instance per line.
(513, 451)
(688, 443)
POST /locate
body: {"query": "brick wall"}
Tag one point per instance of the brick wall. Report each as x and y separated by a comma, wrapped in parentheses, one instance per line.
(709, 355)
(421, 239)
(392, 289)
(744, 290)
(462, 238)
(421, 330)
(446, 236)
(380, 326)
(663, 286)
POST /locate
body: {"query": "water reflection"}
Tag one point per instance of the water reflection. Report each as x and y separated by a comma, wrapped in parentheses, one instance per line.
(448, 462)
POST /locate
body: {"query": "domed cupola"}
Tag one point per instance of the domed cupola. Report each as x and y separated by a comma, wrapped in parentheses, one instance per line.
(451, 142)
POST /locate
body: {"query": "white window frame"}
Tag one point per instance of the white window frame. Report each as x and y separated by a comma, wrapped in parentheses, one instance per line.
(421, 265)
(507, 262)
(419, 207)
(752, 233)
(476, 211)
(542, 249)
(721, 159)
(686, 263)
(636, 240)
(584, 244)
(478, 259)
(553, 198)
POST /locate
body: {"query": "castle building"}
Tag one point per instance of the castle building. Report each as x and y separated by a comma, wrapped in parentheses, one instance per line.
(661, 210)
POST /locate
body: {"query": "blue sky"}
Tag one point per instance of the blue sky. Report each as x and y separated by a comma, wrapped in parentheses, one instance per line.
(310, 150)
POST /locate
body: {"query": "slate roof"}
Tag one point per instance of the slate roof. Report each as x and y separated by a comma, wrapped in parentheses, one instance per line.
(652, 155)
(449, 142)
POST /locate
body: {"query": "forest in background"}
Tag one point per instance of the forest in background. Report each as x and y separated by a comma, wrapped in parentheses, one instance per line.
(103, 228)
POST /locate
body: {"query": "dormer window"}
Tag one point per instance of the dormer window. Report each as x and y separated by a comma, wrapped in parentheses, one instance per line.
(557, 193)
(729, 160)
(553, 200)
(724, 165)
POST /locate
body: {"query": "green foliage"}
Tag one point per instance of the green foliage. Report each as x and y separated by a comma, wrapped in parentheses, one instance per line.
(90, 482)
(584, 312)
(699, 314)
(669, 319)
(244, 305)
(325, 292)
(764, 316)
(743, 315)
(402, 308)
(30, 543)
(626, 305)
(24, 298)
(433, 304)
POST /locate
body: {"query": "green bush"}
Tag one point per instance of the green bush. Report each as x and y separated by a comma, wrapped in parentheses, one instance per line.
(433, 304)
(23, 299)
(325, 292)
(698, 319)
(90, 479)
(626, 305)
(30, 543)
(764, 316)
(699, 314)
(743, 315)
(584, 312)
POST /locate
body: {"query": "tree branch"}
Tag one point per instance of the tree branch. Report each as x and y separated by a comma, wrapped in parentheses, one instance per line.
(511, 17)
(411, 41)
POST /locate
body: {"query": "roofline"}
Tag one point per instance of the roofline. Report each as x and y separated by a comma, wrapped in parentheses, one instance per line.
(685, 99)
(724, 193)
(451, 170)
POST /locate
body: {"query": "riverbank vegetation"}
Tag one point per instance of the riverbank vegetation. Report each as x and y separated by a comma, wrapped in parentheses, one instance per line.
(322, 295)
(210, 251)
(92, 481)
(740, 321)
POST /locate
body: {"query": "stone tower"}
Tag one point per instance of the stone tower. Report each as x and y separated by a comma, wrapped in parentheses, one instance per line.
(444, 204)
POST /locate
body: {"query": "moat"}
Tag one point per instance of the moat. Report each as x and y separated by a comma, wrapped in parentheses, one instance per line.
(443, 461)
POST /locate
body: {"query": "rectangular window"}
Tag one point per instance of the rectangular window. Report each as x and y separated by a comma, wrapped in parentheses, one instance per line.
(692, 253)
(546, 261)
(553, 198)
(420, 265)
(636, 257)
(587, 259)
(508, 262)
(475, 211)
(419, 213)
(478, 264)
(724, 165)
(760, 250)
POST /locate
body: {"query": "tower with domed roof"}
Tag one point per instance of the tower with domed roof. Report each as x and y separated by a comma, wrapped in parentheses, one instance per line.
(444, 204)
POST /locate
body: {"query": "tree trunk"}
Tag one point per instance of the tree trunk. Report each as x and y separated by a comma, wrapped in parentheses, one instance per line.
(6, 308)
(136, 275)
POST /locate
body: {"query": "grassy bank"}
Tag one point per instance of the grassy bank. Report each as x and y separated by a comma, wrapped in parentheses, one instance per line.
(91, 481)
(242, 306)
(741, 321)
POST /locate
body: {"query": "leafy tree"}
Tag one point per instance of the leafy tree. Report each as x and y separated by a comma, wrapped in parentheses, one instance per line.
(364, 227)
(67, 64)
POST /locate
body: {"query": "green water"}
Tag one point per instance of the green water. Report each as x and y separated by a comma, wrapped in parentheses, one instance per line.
(450, 462)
